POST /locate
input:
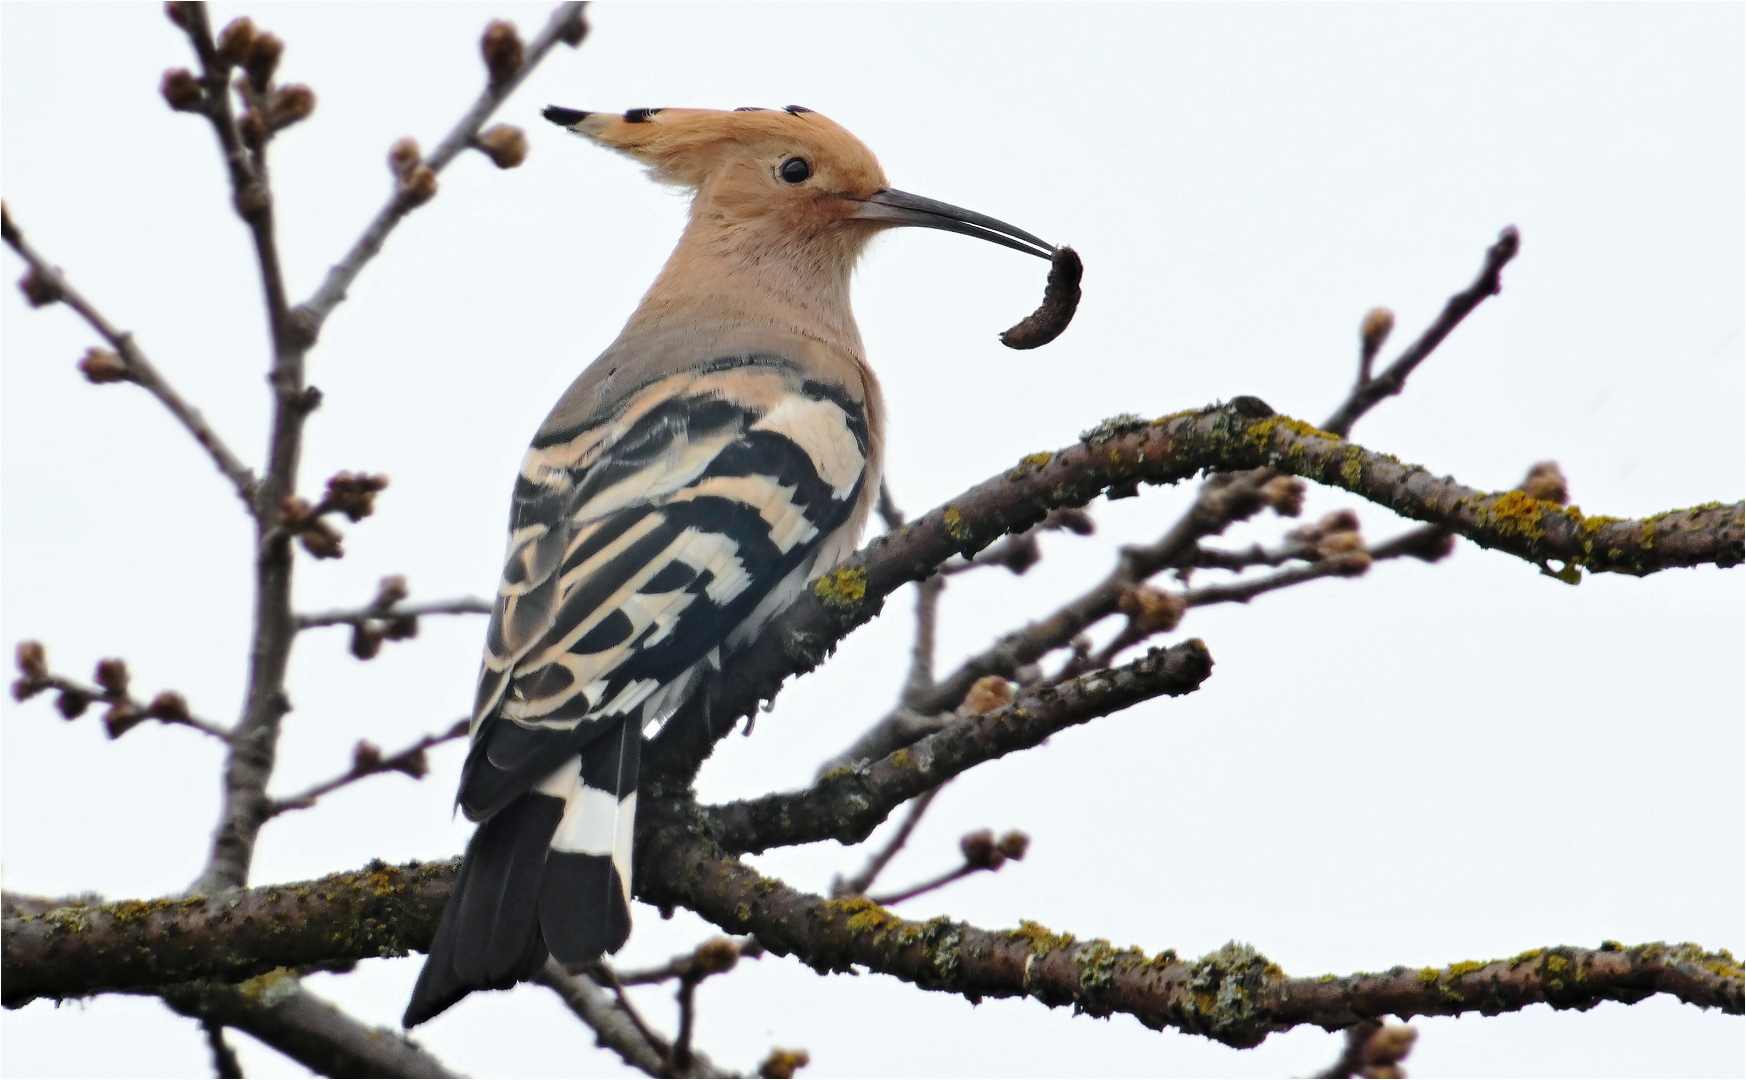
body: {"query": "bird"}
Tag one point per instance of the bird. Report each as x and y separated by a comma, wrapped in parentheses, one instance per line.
(721, 453)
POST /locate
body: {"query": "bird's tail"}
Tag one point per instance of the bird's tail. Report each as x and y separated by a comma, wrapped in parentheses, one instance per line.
(548, 875)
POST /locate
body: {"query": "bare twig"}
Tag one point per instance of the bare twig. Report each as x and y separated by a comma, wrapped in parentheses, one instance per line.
(981, 852)
(465, 605)
(921, 652)
(861, 882)
(566, 25)
(137, 369)
(124, 713)
(1368, 391)
(713, 957)
(368, 760)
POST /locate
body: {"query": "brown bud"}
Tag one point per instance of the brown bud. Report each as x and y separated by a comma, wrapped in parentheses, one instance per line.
(33, 660)
(390, 591)
(234, 41)
(8, 231)
(574, 30)
(38, 291)
(366, 757)
(419, 187)
(1152, 610)
(122, 718)
(986, 694)
(262, 60)
(403, 157)
(288, 105)
(322, 541)
(1387, 1048)
(980, 850)
(182, 90)
(294, 513)
(1546, 481)
(1431, 545)
(1014, 845)
(168, 706)
(1338, 543)
(177, 10)
(102, 366)
(72, 703)
(1073, 519)
(504, 144)
(415, 764)
(253, 129)
(112, 676)
(400, 627)
(1373, 331)
(783, 1064)
(354, 494)
(25, 688)
(1284, 494)
(715, 956)
(366, 639)
(1018, 553)
(1339, 521)
(502, 48)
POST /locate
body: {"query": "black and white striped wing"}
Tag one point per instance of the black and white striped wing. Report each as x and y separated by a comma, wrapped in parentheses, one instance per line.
(643, 543)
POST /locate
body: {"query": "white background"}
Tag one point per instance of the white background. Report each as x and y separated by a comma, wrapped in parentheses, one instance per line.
(1427, 765)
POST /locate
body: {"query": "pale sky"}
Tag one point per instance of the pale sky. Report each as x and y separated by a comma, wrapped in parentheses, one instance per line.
(1426, 765)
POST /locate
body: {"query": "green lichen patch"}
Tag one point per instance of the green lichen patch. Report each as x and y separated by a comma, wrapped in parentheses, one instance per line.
(1114, 427)
(1261, 432)
(1029, 463)
(274, 988)
(843, 588)
(1041, 939)
(956, 527)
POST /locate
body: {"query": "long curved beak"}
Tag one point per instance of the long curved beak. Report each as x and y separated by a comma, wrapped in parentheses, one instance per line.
(895, 207)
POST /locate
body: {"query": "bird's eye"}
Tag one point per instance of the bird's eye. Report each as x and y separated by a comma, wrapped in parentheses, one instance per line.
(796, 170)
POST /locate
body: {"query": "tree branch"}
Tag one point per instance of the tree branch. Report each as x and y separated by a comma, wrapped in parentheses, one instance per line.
(135, 367)
(1233, 995)
(303, 1026)
(848, 804)
(566, 25)
(465, 605)
(368, 760)
(1244, 434)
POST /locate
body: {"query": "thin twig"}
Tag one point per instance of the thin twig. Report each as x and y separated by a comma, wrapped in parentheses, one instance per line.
(466, 605)
(710, 958)
(138, 369)
(861, 882)
(680, 1058)
(920, 679)
(368, 761)
(567, 25)
(927, 886)
(125, 711)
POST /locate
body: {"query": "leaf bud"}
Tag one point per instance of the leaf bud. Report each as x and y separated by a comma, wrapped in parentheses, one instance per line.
(177, 10)
(987, 694)
(403, 157)
(234, 41)
(1014, 845)
(112, 676)
(38, 291)
(390, 591)
(419, 186)
(504, 144)
(72, 703)
(1152, 610)
(1284, 495)
(980, 850)
(33, 660)
(366, 639)
(415, 764)
(168, 706)
(261, 60)
(715, 956)
(400, 627)
(1373, 332)
(366, 757)
(182, 90)
(122, 718)
(354, 494)
(1070, 518)
(1546, 481)
(322, 541)
(501, 46)
(102, 366)
(288, 105)
(253, 129)
(574, 31)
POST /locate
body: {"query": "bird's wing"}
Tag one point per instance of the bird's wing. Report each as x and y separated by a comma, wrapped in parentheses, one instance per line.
(644, 539)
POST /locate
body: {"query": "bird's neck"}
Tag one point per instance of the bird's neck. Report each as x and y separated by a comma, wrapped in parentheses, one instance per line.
(743, 275)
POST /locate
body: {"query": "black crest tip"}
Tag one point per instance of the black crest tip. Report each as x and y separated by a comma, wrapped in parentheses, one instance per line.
(639, 116)
(563, 117)
(795, 110)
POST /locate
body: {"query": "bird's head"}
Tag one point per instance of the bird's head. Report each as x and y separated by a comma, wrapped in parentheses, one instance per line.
(790, 169)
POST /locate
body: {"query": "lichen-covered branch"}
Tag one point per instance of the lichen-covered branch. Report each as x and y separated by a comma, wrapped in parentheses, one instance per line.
(276, 1009)
(1243, 434)
(846, 805)
(233, 935)
(1234, 995)
(134, 366)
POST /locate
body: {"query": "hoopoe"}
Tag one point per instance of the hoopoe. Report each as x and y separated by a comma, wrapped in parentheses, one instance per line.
(722, 452)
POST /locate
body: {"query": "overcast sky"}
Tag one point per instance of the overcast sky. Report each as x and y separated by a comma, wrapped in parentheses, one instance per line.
(1429, 764)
